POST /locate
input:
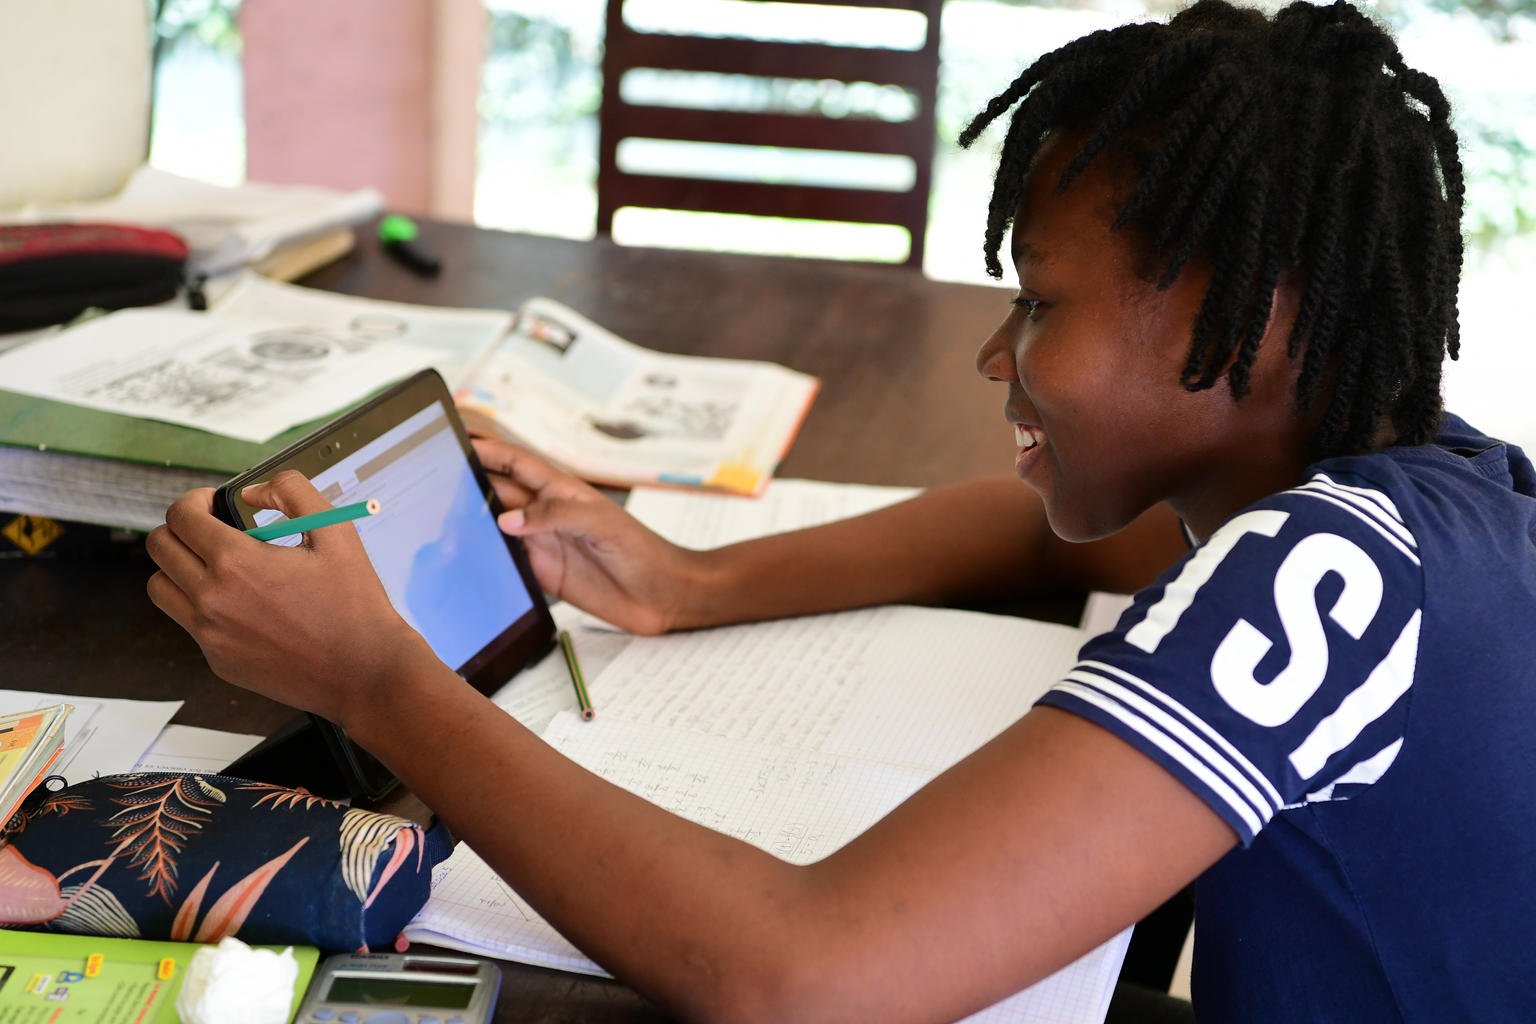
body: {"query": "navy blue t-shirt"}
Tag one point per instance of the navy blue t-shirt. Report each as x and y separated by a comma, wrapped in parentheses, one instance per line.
(1346, 672)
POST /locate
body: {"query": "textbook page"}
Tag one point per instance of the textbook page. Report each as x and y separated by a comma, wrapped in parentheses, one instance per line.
(713, 520)
(246, 377)
(458, 338)
(615, 412)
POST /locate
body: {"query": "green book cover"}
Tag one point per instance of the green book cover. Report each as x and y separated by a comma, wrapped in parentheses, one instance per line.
(43, 423)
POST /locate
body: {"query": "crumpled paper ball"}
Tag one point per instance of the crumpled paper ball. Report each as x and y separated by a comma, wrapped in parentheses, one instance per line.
(231, 983)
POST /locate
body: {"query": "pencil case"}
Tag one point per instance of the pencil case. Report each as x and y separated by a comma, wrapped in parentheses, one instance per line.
(189, 857)
(50, 273)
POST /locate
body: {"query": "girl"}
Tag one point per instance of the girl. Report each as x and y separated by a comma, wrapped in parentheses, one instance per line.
(1238, 249)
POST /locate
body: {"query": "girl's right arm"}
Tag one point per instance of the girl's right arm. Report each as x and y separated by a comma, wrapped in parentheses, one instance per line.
(974, 541)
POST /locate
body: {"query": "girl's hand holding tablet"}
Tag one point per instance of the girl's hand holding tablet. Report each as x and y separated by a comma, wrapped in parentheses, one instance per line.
(586, 549)
(308, 625)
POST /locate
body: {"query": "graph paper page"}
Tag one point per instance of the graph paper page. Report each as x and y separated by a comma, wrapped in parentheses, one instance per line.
(922, 686)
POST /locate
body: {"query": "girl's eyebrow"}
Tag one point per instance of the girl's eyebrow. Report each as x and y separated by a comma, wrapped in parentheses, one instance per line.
(1023, 252)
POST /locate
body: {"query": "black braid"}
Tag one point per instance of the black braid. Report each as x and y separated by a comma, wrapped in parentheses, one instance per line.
(1298, 145)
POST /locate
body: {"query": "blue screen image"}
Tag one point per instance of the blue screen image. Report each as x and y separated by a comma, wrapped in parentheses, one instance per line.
(434, 544)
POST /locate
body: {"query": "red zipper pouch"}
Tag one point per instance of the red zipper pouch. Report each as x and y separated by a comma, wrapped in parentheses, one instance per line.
(50, 273)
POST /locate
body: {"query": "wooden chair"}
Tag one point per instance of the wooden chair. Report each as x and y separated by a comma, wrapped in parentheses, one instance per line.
(917, 71)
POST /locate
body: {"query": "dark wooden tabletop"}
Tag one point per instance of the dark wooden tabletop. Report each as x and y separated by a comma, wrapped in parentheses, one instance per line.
(900, 403)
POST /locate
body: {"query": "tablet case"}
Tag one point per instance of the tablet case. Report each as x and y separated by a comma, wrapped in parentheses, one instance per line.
(50, 273)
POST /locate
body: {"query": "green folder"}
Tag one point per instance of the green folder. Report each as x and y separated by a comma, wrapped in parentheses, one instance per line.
(48, 978)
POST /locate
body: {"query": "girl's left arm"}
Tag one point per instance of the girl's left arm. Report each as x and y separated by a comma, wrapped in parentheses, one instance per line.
(1039, 846)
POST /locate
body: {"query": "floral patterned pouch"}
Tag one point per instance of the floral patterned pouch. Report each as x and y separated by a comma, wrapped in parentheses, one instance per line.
(198, 857)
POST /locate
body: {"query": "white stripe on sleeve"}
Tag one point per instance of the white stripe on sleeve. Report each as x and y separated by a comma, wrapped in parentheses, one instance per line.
(1180, 733)
(1233, 755)
(1388, 681)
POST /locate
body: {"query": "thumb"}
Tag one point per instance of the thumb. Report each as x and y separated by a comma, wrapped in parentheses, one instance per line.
(561, 516)
(291, 493)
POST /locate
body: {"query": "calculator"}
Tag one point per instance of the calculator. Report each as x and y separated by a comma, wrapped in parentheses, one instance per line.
(401, 988)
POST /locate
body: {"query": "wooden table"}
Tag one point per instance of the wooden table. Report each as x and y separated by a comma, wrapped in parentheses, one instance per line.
(901, 403)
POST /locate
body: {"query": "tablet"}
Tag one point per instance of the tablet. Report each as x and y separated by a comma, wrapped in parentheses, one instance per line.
(449, 571)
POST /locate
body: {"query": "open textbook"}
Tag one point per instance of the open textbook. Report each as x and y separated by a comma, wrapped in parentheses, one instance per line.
(613, 412)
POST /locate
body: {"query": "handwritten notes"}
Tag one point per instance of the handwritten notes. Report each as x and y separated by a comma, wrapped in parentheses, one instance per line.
(914, 686)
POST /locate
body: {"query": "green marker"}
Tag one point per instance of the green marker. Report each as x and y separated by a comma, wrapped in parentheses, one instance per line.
(398, 234)
(303, 524)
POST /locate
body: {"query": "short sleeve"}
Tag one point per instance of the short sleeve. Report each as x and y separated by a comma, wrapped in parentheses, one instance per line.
(1273, 665)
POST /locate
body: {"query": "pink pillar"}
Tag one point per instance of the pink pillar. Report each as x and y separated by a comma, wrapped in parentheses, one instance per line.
(340, 93)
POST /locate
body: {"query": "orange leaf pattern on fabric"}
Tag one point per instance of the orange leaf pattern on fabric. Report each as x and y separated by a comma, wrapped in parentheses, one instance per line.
(281, 795)
(227, 915)
(28, 893)
(159, 813)
(405, 842)
(181, 926)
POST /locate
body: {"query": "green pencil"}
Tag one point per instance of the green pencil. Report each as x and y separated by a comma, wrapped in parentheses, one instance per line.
(574, 667)
(303, 524)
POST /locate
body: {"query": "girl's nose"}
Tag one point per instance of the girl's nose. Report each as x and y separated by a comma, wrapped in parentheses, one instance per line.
(994, 360)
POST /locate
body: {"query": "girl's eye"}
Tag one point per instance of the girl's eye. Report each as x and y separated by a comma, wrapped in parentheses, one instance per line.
(1031, 307)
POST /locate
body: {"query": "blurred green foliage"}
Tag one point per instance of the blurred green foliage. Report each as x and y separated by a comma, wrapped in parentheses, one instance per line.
(210, 23)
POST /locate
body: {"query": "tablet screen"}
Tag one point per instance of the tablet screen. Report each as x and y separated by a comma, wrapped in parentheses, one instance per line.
(436, 549)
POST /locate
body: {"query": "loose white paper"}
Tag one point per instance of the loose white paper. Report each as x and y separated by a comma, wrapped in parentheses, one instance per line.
(245, 377)
(188, 748)
(715, 520)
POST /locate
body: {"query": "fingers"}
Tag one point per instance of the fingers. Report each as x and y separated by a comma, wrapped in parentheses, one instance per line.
(178, 562)
(576, 519)
(291, 493)
(510, 493)
(171, 599)
(522, 467)
(190, 519)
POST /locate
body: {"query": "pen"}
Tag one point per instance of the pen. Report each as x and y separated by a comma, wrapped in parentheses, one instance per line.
(574, 667)
(303, 524)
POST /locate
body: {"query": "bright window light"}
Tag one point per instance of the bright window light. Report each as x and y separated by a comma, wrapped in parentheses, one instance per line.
(773, 236)
(799, 23)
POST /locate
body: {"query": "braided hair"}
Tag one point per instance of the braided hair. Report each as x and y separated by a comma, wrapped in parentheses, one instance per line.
(1295, 144)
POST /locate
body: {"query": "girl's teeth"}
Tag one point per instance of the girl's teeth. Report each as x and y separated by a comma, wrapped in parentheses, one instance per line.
(1026, 437)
